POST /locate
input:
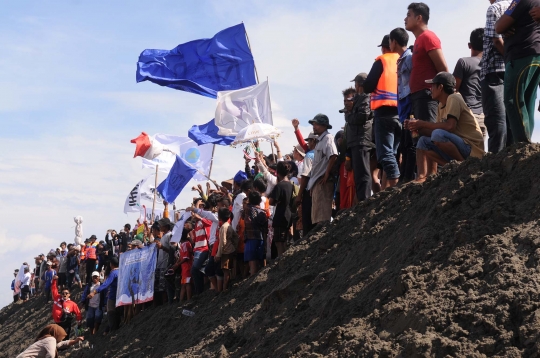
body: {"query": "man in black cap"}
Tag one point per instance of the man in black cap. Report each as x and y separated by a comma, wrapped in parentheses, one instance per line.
(382, 83)
(455, 136)
(358, 132)
(321, 182)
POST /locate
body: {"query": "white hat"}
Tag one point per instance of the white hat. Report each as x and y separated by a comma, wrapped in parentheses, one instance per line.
(95, 273)
(78, 247)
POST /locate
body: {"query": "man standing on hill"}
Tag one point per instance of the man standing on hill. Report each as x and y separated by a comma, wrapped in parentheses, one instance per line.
(382, 83)
(358, 133)
(399, 39)
(492, 79)
(321, 182)
(522, 58)
(467, 74)
(427, 61)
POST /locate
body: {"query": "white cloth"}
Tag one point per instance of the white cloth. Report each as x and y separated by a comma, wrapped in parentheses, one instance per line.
(45, 348)
(179, 227)
(271, 180)
(238, 109)
(237, 209)
(94, 301)
(26, 279)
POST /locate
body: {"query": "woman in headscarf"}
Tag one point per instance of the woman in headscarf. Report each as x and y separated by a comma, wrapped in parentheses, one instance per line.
(47, 343)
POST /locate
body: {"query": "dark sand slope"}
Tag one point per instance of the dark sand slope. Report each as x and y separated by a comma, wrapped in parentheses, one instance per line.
(447, 269)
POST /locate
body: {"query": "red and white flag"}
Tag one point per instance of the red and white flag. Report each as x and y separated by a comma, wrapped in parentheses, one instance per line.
(147, 147)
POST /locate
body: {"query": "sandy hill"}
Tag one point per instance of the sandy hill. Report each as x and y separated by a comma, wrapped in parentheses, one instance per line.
(444, 269)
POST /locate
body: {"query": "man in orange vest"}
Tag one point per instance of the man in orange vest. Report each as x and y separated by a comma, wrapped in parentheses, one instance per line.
(91, 258)
(382, 83)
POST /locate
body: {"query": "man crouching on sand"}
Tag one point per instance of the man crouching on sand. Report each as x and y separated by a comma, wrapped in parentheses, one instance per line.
(455, 136)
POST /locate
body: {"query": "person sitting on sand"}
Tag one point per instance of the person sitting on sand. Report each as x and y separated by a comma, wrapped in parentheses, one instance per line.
(48, 342)
(455, 136)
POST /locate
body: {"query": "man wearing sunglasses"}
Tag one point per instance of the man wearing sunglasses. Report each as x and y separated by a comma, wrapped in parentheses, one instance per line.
(63, 308)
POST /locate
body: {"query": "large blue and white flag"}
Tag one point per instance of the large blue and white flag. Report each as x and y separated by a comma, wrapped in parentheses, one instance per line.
(204, 67)
(136, 276)
(208, 134)
(181, 173)
(199, 157)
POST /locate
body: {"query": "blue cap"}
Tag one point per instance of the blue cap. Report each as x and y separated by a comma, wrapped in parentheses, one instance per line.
(240, 177)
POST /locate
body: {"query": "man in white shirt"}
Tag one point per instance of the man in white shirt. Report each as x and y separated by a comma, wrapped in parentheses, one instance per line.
(25, 284)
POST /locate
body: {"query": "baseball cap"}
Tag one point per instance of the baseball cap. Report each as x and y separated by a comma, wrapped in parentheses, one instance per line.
(240, 177)
(443, 78)
(95, 273)
(321, 119)
(360, 78)
(385, 41)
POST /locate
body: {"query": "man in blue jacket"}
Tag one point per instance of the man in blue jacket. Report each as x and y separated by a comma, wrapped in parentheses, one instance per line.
(111, 283)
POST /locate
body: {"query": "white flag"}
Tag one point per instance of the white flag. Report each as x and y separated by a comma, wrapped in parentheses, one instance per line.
(179, 227)
(237, 109)
(133, 200)
(199, 157)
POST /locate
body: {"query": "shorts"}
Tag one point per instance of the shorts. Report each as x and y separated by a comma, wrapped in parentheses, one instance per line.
(210, 269)
(227, 261)
(442, 136)
(254, 250)
(280, 234)
(186, 272)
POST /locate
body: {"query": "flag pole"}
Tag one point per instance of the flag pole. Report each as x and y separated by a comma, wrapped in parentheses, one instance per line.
(212, 160)
(249, 45)
(270, 103)
(155, 191)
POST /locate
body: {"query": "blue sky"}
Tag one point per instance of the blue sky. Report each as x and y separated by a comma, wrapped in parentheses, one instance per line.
(69, 103)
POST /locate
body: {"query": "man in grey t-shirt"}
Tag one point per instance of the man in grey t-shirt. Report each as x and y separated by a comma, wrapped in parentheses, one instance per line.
(467, 74)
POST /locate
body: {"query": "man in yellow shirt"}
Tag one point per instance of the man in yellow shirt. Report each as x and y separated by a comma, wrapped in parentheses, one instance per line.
(455, 136)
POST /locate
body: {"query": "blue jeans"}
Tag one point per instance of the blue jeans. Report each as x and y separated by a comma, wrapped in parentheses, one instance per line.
(387, 137)
(93, 316)
(442, 136)
(198, 277)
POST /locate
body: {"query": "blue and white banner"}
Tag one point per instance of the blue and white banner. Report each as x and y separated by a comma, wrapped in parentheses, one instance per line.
(136, 276)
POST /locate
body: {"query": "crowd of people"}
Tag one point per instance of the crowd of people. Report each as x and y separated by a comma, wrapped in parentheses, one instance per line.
(403, 119)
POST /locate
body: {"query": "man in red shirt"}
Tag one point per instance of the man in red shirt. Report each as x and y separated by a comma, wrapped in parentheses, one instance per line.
(427, 61)
(63, 308)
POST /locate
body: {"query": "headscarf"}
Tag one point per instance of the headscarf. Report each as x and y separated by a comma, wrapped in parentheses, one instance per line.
(52, 330)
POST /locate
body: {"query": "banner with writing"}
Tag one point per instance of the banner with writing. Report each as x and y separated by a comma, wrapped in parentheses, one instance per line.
(136, 276)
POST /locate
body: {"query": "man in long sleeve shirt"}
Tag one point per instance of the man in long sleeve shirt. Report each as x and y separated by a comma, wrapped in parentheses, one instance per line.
(382, 82)
(111, 283)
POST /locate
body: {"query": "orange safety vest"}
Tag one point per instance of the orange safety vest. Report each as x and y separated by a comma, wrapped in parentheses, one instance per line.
(386, 92)
(91, 253)
(83, 253)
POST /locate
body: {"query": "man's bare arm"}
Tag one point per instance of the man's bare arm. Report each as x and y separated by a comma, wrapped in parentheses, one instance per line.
(438, 60)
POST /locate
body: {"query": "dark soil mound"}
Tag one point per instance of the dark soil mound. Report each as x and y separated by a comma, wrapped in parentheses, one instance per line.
(448, 268)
